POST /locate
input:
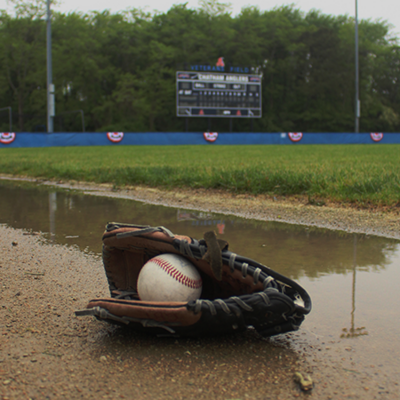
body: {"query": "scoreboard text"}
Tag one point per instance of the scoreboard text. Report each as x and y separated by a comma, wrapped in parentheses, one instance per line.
(203, 94)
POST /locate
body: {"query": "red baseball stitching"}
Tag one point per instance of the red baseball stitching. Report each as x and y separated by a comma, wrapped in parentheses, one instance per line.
(172, 271)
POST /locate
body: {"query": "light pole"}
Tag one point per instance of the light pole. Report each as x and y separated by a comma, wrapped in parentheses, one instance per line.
(50, 86)
(357, 99)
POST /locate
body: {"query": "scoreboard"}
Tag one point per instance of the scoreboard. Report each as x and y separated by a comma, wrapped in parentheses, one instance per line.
(213, 94)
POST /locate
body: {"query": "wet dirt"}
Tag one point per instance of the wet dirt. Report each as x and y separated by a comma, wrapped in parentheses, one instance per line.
(47, 352)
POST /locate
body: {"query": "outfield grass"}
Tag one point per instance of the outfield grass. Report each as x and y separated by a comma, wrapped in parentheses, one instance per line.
(362, 174)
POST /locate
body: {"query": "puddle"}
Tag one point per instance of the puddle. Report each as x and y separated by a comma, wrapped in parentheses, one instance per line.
(352, 278)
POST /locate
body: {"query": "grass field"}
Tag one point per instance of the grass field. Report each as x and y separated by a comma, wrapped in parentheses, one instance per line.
(362, 174)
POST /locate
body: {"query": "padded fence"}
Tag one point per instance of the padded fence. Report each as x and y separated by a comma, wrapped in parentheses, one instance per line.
(28, 139)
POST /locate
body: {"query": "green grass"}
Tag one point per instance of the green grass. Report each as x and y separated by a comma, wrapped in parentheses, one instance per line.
(361, 174)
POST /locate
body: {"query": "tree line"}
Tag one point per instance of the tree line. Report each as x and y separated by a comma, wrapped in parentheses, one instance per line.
(119, 69)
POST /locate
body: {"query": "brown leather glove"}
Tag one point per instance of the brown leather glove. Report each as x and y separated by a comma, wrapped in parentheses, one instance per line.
(237, 292)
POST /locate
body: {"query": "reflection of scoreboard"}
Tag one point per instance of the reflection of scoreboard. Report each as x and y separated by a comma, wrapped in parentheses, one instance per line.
(213, 94)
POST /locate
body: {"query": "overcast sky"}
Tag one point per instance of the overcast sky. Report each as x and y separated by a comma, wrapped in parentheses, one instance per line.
(388, 10)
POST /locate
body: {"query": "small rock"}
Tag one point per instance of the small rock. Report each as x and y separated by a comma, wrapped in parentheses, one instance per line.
(103, 358)
(305, 384)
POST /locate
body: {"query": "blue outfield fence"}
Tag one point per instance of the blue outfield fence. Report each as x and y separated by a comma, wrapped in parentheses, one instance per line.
(29, 139)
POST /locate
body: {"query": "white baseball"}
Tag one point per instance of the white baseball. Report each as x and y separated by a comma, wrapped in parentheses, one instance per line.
(169, 277)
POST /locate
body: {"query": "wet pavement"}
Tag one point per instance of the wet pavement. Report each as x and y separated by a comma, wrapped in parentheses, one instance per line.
(352, 279)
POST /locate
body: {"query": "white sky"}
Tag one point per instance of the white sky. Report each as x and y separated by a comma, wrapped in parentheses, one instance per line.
(388, 10)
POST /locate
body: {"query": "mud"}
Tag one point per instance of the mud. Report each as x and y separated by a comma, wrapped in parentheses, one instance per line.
(379, 221)
(48, 353)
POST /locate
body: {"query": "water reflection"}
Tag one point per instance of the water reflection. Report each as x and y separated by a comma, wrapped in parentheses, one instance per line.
(295, 251)
(353, 331)
(52, 214)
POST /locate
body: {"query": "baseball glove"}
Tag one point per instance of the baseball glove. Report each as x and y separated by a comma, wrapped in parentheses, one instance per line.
(237, 293)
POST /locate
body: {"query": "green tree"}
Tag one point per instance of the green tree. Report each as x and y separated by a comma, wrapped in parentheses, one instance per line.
(120, 68)
(22, 59)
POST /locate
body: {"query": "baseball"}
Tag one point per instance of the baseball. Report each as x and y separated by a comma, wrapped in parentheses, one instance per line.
(169, 277)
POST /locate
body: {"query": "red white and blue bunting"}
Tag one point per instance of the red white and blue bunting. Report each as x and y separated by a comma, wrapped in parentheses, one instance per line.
(7, 137)
(115, 137)
(295, 136)
(210, 136)
(376, 136)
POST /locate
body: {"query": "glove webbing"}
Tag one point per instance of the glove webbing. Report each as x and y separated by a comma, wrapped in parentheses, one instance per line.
(228, 308)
